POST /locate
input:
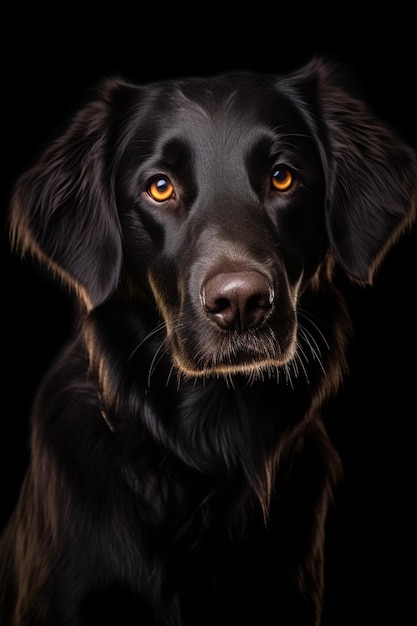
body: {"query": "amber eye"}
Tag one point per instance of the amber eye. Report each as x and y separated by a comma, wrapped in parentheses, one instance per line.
(161, 189)
(282, 178)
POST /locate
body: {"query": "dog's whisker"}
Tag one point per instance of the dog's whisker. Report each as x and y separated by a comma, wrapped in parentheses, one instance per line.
(288, 375)
(158, 355)
(312, 342)
(160, 326)
(299, 358)
(294, 365)
(171, 371)
(308, 317)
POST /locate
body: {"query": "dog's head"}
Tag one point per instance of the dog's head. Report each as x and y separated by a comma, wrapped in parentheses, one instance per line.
(220, 200)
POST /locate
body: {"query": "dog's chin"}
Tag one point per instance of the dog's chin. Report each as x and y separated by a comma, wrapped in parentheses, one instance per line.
(252, 365)
(252, 370)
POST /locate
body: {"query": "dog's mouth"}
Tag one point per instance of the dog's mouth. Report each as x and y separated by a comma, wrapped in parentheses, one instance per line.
(240, 328)
(252, 352)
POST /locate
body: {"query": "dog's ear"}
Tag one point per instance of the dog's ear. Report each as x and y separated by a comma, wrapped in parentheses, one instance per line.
(371, 175)
(63, 210)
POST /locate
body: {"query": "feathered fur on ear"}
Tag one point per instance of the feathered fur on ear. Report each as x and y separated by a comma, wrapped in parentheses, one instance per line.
(63, 210)
(371, 174)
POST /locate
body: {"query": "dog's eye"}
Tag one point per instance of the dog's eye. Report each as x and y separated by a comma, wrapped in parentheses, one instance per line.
(281, 178)
(161, 189)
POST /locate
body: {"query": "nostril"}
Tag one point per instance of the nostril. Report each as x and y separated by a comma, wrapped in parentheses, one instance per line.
(217, 305)
(237, 300)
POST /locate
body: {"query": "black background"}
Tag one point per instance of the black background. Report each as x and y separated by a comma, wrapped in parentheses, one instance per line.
(49, 62)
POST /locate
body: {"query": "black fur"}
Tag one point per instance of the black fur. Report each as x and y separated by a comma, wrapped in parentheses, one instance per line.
(180, 470)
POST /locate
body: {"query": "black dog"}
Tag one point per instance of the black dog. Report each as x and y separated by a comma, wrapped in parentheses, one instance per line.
(180, 470)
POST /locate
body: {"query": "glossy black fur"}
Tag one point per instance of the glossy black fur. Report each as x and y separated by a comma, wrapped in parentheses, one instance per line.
(180, 470)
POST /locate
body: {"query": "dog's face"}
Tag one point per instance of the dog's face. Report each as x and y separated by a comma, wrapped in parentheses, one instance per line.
(219, 202)
(221, 198)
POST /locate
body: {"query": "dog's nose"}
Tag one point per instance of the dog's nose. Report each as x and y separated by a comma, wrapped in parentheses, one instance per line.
(237, 300)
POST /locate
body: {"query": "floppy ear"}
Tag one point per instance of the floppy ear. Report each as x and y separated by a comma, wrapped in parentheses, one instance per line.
(63, 210)
(372, 190)
(371, 175)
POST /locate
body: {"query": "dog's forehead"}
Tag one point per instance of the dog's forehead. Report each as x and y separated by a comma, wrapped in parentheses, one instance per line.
(222, 111)
(225, 93)
(223, 99)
